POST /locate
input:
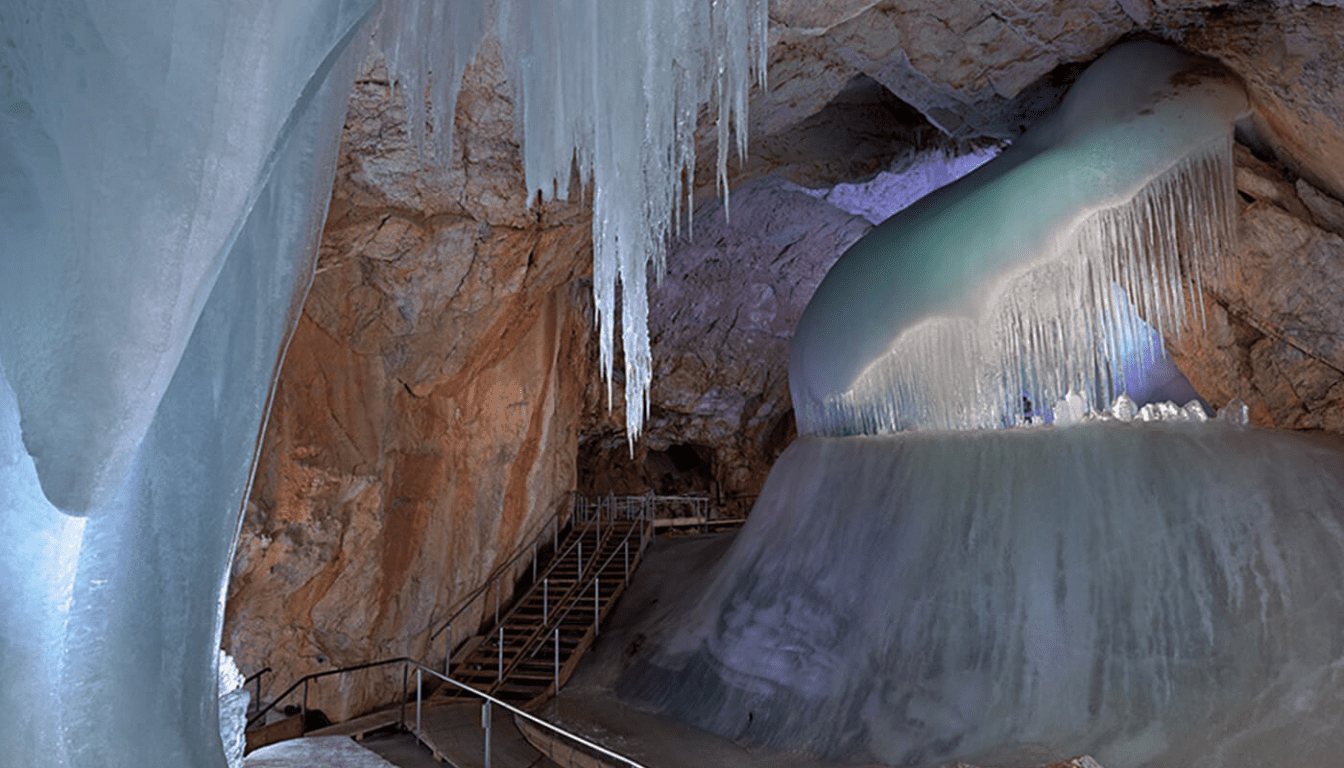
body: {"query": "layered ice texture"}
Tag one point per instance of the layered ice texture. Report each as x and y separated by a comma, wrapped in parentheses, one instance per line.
(997, 292)
(165, 167)
(1168, 595)
(164, 175)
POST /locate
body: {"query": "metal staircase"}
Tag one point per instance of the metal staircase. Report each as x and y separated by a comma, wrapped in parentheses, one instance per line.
(534, 647)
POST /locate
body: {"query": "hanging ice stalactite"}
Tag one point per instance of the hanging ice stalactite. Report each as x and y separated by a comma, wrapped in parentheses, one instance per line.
(997, 293)
(613, 89)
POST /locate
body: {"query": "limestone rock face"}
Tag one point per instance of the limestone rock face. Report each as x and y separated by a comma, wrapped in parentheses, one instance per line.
(720, 325)
(426, 418)
(1273, 319)
(430, 409)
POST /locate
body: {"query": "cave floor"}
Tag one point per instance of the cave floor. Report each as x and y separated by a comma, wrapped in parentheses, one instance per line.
(673, 571)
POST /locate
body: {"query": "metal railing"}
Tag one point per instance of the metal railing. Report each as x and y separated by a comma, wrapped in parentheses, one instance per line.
(649, 505)
(421, 669)
(623, 549)
(588, 512)
(553, 526)
(486, 718)
(256, 677)
(644, 528)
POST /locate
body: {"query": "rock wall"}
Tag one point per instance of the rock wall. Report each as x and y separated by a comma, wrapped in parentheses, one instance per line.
(720, 325)
(430, 409)
(426, 419)
(1275, 319)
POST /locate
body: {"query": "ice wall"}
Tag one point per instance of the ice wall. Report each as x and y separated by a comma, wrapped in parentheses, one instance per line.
(1163, 595)
(999, 287)
(164, 174)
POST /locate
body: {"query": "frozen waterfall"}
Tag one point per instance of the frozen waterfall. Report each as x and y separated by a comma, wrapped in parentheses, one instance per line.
(158, 223)
(999, 287)
(1155, 594)
(1168, 595)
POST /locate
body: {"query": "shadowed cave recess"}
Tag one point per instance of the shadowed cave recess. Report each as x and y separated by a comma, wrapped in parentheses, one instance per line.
(958, 548)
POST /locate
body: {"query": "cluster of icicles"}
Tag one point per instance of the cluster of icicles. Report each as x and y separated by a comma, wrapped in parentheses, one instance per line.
(1073, 409)
(612, 89)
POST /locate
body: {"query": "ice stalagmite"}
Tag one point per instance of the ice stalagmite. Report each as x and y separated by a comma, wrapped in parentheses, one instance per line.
(1000, 286)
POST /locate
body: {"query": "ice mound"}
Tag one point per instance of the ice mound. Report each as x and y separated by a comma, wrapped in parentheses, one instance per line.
(1168, 595)
(1002, 285)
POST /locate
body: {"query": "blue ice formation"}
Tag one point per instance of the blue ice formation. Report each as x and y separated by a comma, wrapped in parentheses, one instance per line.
(1157, 595)
(999, 287)
(165, 167)
(158, 222)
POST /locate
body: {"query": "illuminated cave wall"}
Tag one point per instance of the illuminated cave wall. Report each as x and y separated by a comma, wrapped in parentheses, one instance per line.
(440, 396)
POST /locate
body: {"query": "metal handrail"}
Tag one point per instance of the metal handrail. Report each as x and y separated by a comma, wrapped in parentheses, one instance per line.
(597, 574)
(256, 700)
(643, 518)
(303, 681)
(495, 575)
(491, 700)
(420, 669)
(591, 514)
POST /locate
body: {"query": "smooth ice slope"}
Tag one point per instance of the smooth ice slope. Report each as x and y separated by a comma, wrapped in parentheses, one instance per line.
(999, 286)
(155, 254)
(1162, 595)
(133, 144)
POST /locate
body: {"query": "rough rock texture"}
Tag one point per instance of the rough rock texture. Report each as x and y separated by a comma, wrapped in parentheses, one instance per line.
(720, 326)
(992, 67)
(427, 415)
(429, 411)
(1275, 319)
(1289, 55)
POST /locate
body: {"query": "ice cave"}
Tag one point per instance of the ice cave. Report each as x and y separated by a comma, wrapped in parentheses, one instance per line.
(1010, 329)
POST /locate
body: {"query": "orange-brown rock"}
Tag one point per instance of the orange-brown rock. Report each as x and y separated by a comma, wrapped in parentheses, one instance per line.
(1272, 335)
(426, 418)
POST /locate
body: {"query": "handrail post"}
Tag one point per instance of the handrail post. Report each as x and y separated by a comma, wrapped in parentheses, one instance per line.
(418, 687)
(404, 672)
(545, 601)
(534, 562)
(557, 659)
(580, 574)
(260, 675)
(485, 723)
(499, 675)
(496, 599)
(448, 657)
(597, 606)
(625, 550)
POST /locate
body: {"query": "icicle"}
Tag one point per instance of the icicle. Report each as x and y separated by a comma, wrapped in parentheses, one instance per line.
(427, 46)
(1011, 283)
(617, 90)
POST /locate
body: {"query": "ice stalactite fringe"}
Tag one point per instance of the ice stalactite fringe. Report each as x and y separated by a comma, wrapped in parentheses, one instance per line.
(427, 46)
(1056, 326)
(613, 89)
